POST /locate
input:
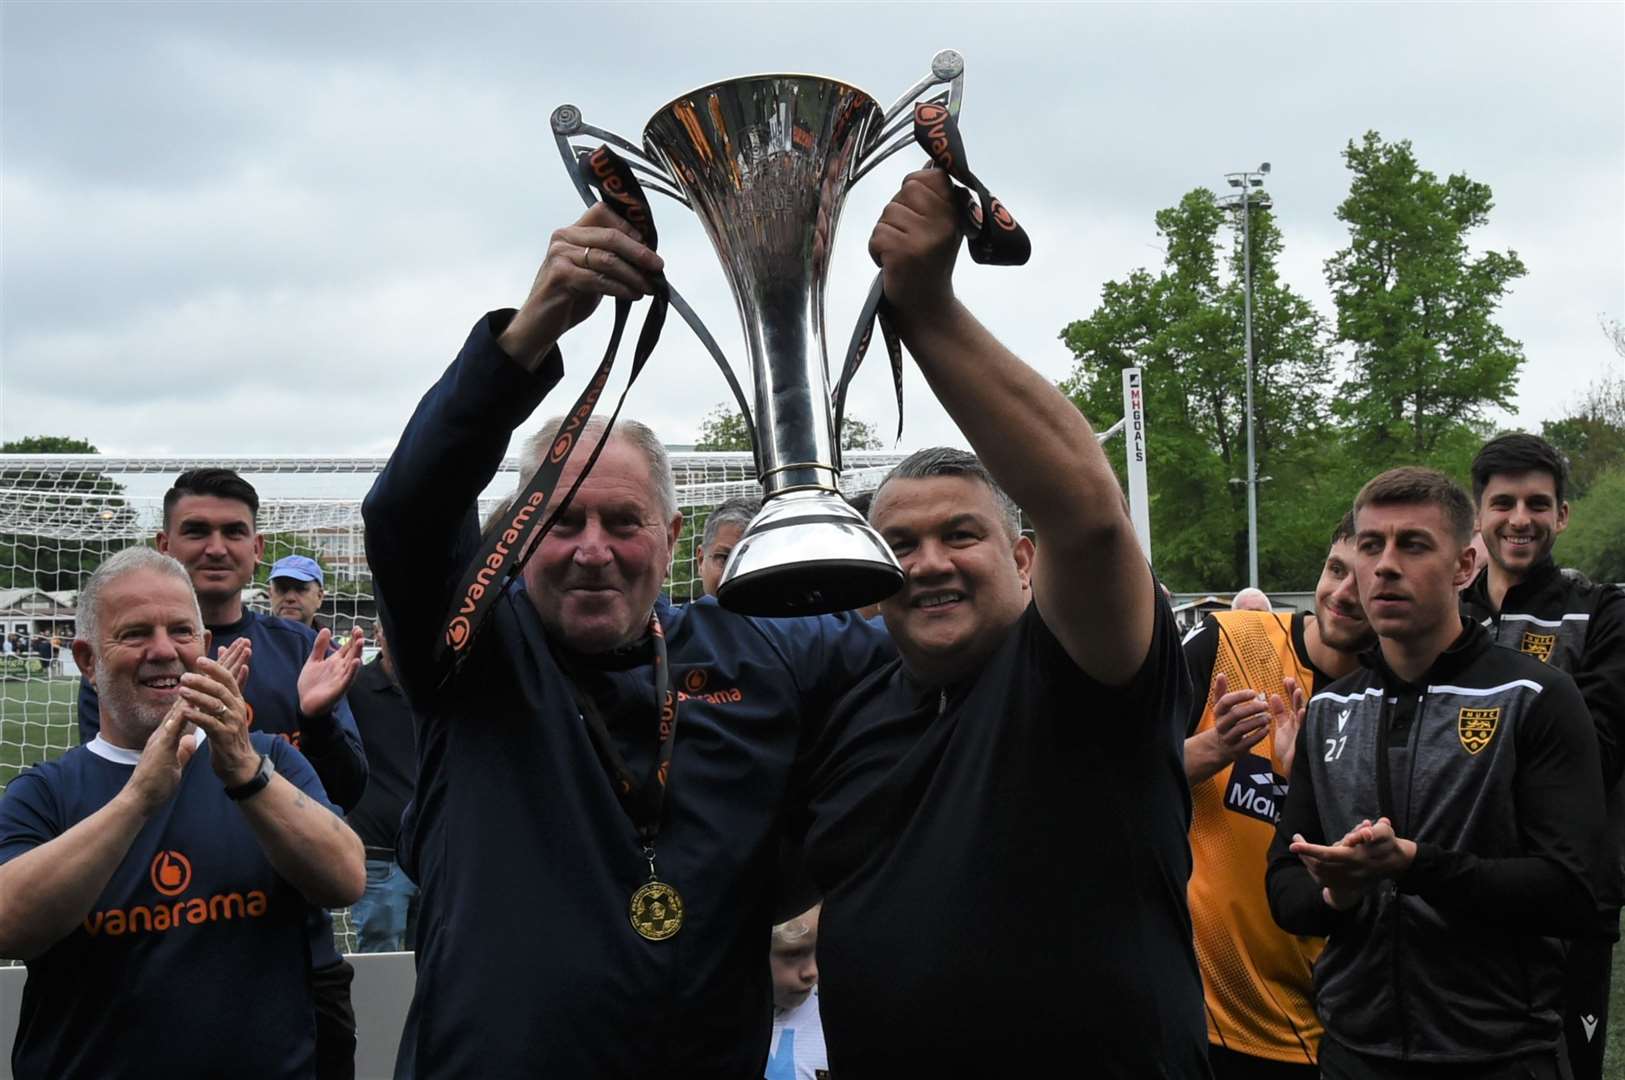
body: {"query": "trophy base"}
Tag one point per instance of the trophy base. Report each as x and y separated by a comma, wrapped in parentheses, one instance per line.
(807, 553)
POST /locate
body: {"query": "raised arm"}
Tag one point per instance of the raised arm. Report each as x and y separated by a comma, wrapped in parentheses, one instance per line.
(421, 519)
(1090, 579)
(329, 739)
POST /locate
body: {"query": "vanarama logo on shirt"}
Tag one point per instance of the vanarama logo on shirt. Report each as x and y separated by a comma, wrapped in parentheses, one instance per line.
(695, 684)
(171, 875)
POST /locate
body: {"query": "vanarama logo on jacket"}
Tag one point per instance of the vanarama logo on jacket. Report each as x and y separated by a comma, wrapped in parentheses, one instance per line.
(170, 877)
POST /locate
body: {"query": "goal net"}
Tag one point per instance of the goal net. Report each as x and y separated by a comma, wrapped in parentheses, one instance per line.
(60, 515)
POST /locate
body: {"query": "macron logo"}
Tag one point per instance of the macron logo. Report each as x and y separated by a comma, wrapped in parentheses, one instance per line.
(1342, 718)
(1590, 1024)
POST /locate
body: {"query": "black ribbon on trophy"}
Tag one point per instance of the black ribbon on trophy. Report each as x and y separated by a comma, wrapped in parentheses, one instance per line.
(992, 237)
(508, 543)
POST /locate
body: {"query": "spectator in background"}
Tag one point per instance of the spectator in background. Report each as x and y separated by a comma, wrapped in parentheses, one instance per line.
(1563, 619)
(723, 529)
(386, 914)
(295, 690)
(1250, 599)
(296, 590)
(162, 902)
(797, 1050)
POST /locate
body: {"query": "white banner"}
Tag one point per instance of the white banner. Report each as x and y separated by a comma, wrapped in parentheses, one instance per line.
(1134, 446)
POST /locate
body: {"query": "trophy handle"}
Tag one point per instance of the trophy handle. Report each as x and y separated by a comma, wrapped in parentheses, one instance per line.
(948, 66)
(567, 124)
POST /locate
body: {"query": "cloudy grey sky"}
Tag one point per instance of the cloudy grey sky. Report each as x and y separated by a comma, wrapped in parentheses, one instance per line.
(240, 228)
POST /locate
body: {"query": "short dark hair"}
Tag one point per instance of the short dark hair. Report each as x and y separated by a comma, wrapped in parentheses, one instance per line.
(739, 510)
(947, 461)
(860, 502)
(1518, 452)
(1411, 484)
(1344, 529)
(220, 483)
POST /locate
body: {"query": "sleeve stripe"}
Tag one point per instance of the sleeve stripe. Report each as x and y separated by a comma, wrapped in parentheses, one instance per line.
(1486, 691)
(1573, 616)
(1344, 699)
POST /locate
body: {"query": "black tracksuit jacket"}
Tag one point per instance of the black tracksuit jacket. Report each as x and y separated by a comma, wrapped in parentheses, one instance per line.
(1578, 626)
(1489, 764)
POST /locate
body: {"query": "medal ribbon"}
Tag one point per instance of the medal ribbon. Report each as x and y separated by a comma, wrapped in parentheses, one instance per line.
(992, 237)
(643, 800)
(513, 536)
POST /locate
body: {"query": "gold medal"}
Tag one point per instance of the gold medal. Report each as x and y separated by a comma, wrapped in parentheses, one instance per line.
(657, 911)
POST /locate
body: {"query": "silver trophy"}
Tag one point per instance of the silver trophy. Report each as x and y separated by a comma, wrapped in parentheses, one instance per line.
(765, 161)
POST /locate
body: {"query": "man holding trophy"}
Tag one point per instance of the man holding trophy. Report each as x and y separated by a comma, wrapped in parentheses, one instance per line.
(604, 778)
(998, 820)
(592, 904)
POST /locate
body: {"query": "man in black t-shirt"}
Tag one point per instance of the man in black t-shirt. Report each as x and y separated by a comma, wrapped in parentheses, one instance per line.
(997, 822)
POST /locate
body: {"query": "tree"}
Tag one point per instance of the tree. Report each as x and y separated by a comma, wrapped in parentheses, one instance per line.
(1614, 332)
(64, 524)
(1416, 307)
(1595, 540)
(1184, 327)
(724, 429)
(48, 444)
(1592, 433)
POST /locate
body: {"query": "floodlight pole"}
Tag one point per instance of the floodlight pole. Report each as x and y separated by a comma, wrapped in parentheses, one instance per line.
(1249, 180)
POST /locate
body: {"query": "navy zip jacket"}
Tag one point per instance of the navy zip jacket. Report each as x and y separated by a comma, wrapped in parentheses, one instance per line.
(528, 964)
(1563, 618)
(1489, 764)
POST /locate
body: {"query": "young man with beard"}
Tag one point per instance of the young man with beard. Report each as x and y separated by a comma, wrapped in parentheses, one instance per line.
(1258, 668)
(997, 821)
(1559, 616)
(1442, 826)
(159, 881)
(295, 690)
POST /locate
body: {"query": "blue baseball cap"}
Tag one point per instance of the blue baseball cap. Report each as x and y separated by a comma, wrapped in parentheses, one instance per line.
(298, 567)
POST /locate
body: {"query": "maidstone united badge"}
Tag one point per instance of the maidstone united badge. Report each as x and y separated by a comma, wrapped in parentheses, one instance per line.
(1538, 645)
(1477, 727)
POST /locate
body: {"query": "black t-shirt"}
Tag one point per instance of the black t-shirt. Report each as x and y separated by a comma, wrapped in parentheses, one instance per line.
(385, 722)
(1004, 864)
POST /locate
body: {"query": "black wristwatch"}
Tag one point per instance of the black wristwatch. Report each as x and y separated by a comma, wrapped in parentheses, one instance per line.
(255, 784)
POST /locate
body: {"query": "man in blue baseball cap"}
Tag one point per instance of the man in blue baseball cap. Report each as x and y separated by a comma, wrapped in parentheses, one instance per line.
(297, 589)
